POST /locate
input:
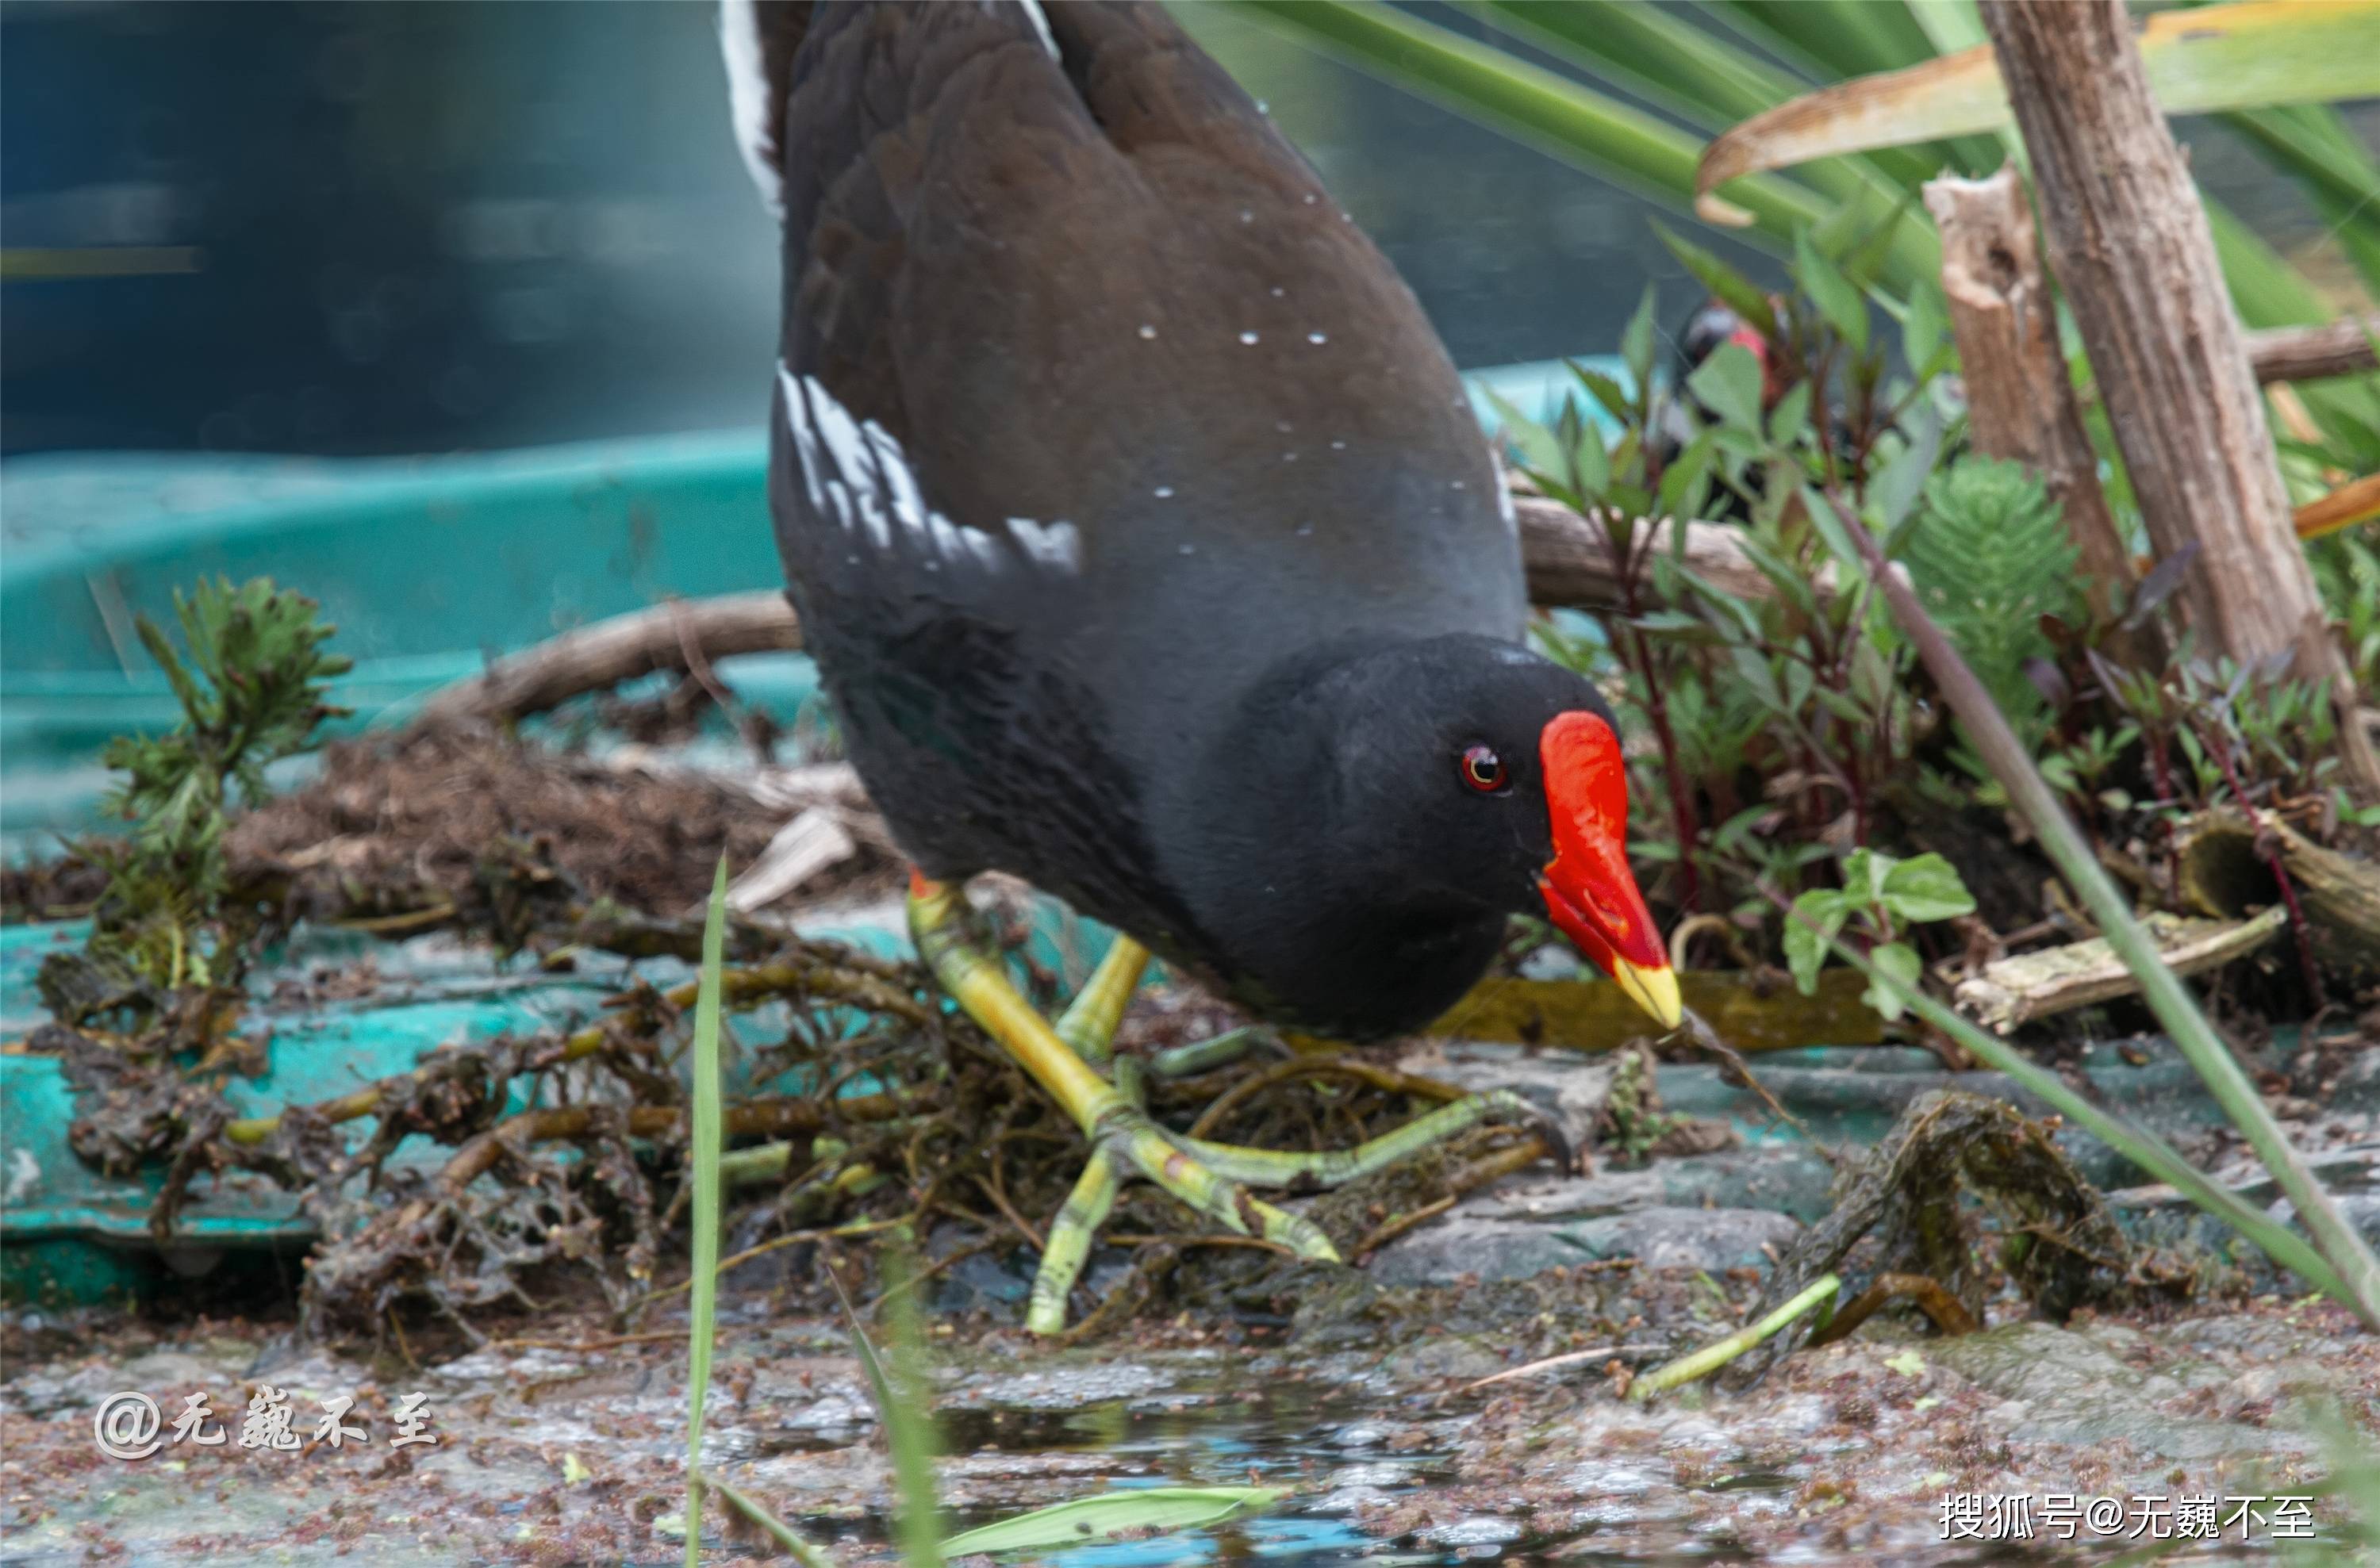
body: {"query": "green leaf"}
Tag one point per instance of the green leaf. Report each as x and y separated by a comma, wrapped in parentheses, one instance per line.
(1899, 962)
(1894, 490)
(1636, 346)
(1863, 874)
(1586, 461)
(2217, 57)
(1843, 307)
(1729, 384)
(1540, 451)
(1924, 327)
(1109, 1513)
(1815, 917)
(1926, 887)
(1537, 105)
(1607, 392)
(1791, 412)
(1730, 287)
(1685, 482)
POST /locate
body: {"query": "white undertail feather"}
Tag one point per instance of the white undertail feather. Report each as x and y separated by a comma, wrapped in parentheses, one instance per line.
(856, 475)
(1040, 21)
(747, 97)
(748, 88)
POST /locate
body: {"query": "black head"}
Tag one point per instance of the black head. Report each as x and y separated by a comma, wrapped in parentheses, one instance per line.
(1381, 816)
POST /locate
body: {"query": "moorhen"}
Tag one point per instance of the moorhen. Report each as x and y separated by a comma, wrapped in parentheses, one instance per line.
(1149, 553)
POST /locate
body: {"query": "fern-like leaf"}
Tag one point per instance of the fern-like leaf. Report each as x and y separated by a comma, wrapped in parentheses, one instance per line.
(1990, 557)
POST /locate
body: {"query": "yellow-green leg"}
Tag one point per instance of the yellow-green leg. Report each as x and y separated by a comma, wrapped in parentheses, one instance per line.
(1213, 1179)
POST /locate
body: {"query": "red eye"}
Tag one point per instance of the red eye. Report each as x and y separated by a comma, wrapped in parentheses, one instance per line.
(1484, 770)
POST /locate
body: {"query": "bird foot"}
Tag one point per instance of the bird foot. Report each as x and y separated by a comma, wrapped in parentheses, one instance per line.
(1213, 1179)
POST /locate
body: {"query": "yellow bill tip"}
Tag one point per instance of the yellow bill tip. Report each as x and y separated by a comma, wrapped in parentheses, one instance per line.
(1654, 990)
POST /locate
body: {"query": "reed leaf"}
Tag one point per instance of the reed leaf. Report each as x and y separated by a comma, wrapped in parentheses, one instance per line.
(1524, 100)
(1082, 1520)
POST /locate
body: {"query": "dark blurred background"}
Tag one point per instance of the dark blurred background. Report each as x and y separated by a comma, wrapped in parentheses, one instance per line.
(399, 226)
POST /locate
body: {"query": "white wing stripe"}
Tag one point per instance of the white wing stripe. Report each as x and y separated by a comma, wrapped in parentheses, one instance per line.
(857, 474)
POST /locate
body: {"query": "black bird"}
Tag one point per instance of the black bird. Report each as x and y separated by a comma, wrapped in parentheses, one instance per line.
(1682, 416)
(1149, 553)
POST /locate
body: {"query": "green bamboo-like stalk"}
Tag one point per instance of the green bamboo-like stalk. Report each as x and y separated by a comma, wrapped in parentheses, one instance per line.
(2341, 1246)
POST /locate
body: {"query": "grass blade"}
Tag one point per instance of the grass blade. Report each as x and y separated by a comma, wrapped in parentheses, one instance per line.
(702, 1159)
(2340, 1245)
(905, 1406)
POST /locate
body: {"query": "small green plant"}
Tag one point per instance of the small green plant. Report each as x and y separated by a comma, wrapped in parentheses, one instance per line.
(1990, 555)
(250, 681)
(1879, 899)
(251, 694)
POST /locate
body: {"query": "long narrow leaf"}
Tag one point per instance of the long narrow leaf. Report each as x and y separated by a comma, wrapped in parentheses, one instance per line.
(702, 1163)
(1851, 38)
(1692, 72)
(2340, 1244)
(1085, 1519)
(2311, 143)
(2249, 55)
(1569, 121)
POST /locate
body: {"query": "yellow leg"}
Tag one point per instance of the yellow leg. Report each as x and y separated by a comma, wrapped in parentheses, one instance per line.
(1090, 1019)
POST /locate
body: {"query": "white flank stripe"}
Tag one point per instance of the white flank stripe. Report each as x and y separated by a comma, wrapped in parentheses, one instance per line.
(747, 97)
(1056, 545)
(798, 419)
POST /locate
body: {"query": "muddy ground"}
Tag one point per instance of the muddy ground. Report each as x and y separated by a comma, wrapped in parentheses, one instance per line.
(568, 1445)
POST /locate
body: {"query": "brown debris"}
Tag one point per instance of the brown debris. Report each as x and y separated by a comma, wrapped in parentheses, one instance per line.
(409, 819)
(2062, 1249)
